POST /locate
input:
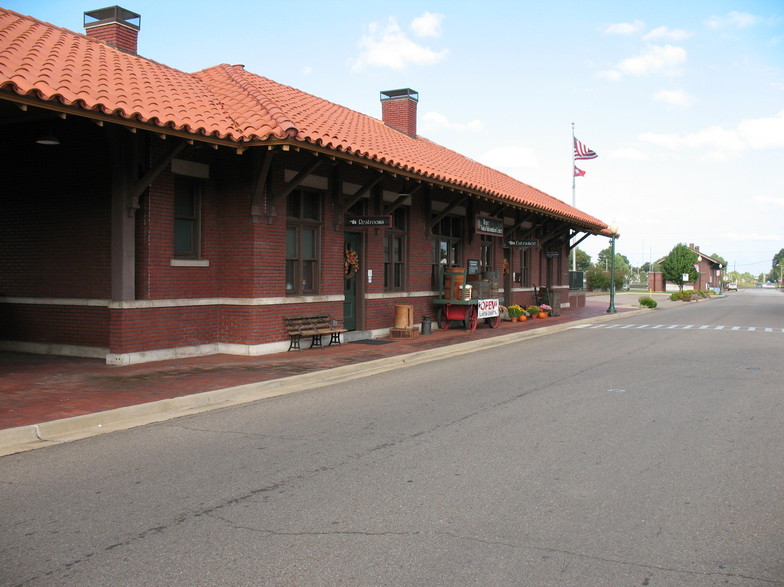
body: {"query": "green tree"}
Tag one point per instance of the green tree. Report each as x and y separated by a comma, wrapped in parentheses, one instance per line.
(604, 257)
(720, 259)
(775, 269)
(583, 259)
(678, 263)
(598, 278)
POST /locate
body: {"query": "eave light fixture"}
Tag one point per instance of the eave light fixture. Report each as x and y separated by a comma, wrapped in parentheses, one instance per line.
(48, 139)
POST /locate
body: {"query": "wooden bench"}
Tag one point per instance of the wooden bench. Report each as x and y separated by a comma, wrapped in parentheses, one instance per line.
(315, 326)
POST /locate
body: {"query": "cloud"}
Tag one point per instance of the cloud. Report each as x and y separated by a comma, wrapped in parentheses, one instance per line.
(611, 75)
(665, 33)
(655, 58)
(719, 144)
(768, 201)
(427, 25)
(624, 28)
(388, 46)
(510, 158)
(763, 133)
(629, 154)
(752, 236)
(674, 98)
(733, 20)
(436, 120)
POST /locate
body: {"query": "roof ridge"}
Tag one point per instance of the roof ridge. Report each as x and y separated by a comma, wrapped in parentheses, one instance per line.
(236, 74)
(225, 101)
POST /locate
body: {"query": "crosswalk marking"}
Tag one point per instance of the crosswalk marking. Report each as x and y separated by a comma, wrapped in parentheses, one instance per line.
(684, 327)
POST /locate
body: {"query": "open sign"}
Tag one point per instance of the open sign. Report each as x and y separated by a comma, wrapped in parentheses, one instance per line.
(488, 309)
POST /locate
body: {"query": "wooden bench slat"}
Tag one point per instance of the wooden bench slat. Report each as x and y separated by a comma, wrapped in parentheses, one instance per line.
(314, 325)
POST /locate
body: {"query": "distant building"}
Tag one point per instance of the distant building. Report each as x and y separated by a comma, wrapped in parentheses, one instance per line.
(710, 274)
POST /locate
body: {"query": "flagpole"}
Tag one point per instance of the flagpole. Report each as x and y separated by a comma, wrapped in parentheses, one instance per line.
(574, 200)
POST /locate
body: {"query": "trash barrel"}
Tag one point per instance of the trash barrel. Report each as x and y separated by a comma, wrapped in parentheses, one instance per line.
(427, 327)
(404, 316)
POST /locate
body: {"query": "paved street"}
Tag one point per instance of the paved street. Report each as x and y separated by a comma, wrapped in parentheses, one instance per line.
(630, 452)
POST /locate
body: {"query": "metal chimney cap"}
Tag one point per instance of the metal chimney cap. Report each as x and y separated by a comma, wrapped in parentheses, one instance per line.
(402, 93)
(112, 14)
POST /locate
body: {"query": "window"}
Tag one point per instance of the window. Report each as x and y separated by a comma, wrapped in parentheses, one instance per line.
(303, 225)
(446, 245)
(187, 218)
(525, 266)
(395, 252)
(486, 252)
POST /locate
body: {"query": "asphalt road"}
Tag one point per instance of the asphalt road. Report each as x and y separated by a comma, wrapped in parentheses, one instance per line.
(641, 451)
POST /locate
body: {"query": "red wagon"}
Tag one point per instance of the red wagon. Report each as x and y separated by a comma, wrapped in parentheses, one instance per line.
(455, 303)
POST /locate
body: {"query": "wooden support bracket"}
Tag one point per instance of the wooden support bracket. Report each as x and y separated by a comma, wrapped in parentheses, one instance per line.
(274, 198)
(138, 188)
(261, 168)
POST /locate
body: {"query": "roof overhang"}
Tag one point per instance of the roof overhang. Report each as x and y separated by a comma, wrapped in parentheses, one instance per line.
(163, 131)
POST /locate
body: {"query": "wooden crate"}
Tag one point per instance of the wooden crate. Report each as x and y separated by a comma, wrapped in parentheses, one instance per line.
(403, 332)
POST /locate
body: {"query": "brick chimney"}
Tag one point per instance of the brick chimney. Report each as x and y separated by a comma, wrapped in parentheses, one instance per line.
(399, 110)
(115, 26)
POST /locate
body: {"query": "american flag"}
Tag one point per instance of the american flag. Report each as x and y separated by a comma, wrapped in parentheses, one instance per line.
(583, 152)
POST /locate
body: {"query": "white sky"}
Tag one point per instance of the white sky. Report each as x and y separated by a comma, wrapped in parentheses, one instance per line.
(682, 100)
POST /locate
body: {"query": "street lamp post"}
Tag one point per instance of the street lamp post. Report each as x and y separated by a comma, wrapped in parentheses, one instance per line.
(613, 235)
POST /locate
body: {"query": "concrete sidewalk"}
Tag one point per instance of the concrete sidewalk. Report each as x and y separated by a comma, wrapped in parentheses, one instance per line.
(46, 400)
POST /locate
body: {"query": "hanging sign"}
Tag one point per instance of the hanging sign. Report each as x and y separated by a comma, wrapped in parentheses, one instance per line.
(553, 254)
(522, 243)
(374, 221)
(488, 225)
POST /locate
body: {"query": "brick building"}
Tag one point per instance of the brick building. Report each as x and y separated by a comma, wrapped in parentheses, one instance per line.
(150, 213)
(710, 274)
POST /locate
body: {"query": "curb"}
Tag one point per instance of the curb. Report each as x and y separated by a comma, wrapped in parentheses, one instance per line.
(34, 436)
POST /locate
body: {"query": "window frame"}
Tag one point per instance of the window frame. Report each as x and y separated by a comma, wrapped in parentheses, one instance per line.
(193, 220)
(298, 267)
(396, 268)
(447, 235)
(487, 252)
(525, 266)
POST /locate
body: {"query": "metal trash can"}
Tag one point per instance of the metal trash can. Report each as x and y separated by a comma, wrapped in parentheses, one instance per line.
(426, 325)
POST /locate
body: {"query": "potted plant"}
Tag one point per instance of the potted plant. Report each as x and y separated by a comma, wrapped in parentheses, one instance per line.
(533, 311)
(515, 312)
(545, 309)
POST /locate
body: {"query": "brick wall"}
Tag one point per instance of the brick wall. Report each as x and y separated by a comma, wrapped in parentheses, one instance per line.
(55, 242)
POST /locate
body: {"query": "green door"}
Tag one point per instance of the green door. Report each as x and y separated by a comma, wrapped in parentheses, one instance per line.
(351, 241)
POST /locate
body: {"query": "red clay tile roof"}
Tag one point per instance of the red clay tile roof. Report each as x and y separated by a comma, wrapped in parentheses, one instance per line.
(226, 102)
